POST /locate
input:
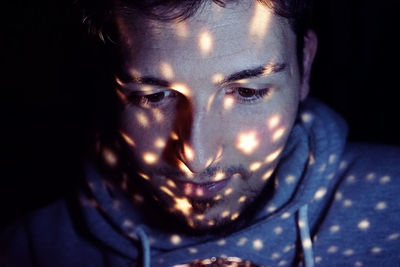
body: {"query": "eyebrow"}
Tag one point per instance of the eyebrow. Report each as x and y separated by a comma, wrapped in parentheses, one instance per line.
(256, 72)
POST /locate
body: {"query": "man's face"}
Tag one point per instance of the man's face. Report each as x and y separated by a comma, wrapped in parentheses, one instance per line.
(210, 106)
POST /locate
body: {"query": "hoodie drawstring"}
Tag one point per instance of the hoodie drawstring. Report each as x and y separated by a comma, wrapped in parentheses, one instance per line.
(141, 234)
(306, 243)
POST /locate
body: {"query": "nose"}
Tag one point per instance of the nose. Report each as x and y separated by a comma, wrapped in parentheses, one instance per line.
(198, 138)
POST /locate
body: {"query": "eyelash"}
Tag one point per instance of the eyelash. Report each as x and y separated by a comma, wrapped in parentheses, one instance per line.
(146, 100)
(258, 94)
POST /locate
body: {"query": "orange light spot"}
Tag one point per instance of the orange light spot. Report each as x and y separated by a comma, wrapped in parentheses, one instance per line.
(200, 217)
(219, 176)
(188, 152)
(273, 156)
(217, 197)
(209, 102)
(228, 191)
(278, 134)
(171, 183)
(159, 143)
(175, 239)
(274, 121)
(229, 102)
(260, 21)
(235, 216)
(181, 88)
(142, 119)
(182, 166)
(183, 205)
(127, 139)
(267, 175)
(167, 191)
(174, 136)
(217, 78)
(225, 213)
(150, 158)
(181, 29)
(205, 42)
(121, 96)
(144, 176)
(166, 70)
(211, 222)
(255, 166)
(247, 142)
(158, 116)
(242, 199)
(110, 157)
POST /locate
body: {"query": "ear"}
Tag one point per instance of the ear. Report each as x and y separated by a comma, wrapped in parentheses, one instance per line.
(309, 51)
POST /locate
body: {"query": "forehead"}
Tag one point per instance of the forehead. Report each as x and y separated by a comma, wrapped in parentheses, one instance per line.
(244, 31)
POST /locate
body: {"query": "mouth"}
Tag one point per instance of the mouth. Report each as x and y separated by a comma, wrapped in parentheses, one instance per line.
(201, 191)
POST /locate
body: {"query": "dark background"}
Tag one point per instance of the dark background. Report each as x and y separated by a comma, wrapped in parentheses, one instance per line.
(52, 73)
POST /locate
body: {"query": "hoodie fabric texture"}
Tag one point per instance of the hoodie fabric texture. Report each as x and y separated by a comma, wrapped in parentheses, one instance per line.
(333, 204)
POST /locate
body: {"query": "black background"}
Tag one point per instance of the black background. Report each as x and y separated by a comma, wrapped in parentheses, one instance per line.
(52, 71)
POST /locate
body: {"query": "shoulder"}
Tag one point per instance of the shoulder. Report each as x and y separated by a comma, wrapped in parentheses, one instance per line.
(360, 225)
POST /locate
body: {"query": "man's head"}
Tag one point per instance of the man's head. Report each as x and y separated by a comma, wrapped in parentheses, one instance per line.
(208, 101)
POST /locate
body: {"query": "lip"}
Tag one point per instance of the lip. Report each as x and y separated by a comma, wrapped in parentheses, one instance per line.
(201, 191)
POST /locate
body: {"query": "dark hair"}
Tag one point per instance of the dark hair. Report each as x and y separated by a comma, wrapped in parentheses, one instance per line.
(98, 14)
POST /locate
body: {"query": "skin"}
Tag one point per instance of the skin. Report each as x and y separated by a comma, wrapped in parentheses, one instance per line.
(197, 129)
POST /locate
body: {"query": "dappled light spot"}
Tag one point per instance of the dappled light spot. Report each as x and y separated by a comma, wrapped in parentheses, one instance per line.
(278, 230)
(347, 203)
(205, 42)
(307, 243)
(376, 250)
(137, 198)
(348, 252)
(228, 191)
(110, 157)
(127, 139)
(127, 223)
(384, 180)
(330, 176)
(267, 174)
(381, 205)
(271, 208)
(144, 176)
(350, 179)
(322, 167)
(358, 264)
(217, 78)
(285, 215)
(275, 256)
(338, 196)
(393, 236)
(188, 152)
(278, 134)
(159, 143)
(334, 228)
(217, 197)
(332, 158)
(235, 216)
(370, 177)
(255, 166)
(122, 97)
(167, 191)
(171, 183)
(166, 70)
(200, 217)
(229, 101)
(116, 204)
(181, 29)
(332, 249)
(311, 159)
(364, 224)
(301, 223)
(174, 136)
(221, 242)
(320, 193)
(175, 239)
(182, 205)
(142, 119)
(192, 250)
(241, 242)
(182, 166)
(318, 259)
(290, 179)
(274, 121)
(158, 115)
(282, 263)
(242, 199)
(150, 158)
(210, 102)
(342, 165)
(247, 142)
(259, 22)
(211, 223)
(306, 117)
(219, 175)
(181, 88)
(119, 82)
(258, 244)
(273, 156)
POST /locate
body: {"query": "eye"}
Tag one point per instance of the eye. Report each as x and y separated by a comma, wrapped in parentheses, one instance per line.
(158, 99)
(248, 95)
